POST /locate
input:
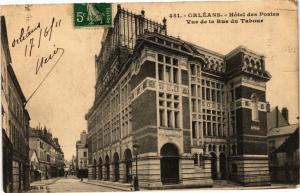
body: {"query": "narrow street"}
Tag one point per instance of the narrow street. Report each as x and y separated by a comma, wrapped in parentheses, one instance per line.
(70, 184)
(75, 185)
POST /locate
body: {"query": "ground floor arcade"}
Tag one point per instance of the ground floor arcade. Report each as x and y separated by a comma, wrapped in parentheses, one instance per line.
(153, 171)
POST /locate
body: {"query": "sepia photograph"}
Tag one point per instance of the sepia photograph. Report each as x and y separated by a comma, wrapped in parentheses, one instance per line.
(149, 96)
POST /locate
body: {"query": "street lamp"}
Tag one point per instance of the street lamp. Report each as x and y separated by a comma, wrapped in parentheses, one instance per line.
(136, 180)
(80, 170)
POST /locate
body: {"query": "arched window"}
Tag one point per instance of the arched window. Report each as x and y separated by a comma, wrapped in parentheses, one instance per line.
(254, 107)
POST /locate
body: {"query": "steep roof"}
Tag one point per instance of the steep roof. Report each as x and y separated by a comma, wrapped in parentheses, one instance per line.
(31, 152)
(285, 130)
(290, 144)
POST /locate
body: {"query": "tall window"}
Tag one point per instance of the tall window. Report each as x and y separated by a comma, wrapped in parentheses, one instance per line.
(254, 101)
(169, 116)
(207, 94)
(161, 117)
(168, 74)
(193, 69)
(160, 72)
(194, 135)
(175, 75)
(168, 69)
(177, 124)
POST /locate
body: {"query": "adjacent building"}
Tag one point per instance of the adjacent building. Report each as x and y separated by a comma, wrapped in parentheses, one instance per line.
(15, 123)
(82, 153)
(196, 115)
(48, 151)
(35, 172)
(286, 160)
(283, 145)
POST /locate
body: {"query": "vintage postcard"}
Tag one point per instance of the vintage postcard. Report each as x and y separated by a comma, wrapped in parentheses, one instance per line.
(102, 97)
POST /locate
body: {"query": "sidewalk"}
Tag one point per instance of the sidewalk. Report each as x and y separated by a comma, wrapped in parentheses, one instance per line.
(41, 186)
(124, 187)
(223, 184)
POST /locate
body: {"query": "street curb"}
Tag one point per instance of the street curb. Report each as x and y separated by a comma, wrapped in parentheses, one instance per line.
(107, 186)
(45, 189)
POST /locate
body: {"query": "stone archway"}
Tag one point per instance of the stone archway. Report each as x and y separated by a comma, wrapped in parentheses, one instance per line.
(107, 167)
(100, 169)
(116, 167)
(169, 164)
(214, 172)
(128, 165)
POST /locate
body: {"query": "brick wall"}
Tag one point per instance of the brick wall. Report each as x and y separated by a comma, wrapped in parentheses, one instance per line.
(243, 123)
(144, 121)
(147, 70)
(252, 148)
(234, 62)
(246, 92)
(144, 110)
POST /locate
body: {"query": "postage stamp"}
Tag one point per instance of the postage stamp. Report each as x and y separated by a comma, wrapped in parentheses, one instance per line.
(92, 14)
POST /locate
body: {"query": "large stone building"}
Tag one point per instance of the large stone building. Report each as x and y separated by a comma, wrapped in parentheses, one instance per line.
(197, 115)
(48, 151)
(81, 153)
(15, 124)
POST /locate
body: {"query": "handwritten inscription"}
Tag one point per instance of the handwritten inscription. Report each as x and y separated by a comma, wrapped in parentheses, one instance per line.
(45, 60)
(33, 36)
(25, 34)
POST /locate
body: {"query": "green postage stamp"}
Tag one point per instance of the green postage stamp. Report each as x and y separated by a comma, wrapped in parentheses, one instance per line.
(92, 14)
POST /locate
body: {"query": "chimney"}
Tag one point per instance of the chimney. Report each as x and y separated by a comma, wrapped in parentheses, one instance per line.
(83, 137)
(164, 30)
(285, 114)
(55, 140)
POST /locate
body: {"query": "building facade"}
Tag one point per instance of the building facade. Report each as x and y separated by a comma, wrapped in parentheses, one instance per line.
(49, 153)
(283, 145)
(197, 115)
(15, 123)
(81, 153)
(35, 172)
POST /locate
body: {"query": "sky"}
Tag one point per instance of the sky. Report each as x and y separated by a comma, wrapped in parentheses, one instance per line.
(65, 97)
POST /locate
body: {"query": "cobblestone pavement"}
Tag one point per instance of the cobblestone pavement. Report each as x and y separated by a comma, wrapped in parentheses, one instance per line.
(74, 185)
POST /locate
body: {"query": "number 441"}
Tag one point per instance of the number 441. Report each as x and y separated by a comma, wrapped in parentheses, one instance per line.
(174, 15)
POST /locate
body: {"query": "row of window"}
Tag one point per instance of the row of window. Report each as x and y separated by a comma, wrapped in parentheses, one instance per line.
(209, 94)
(169, 111)
(168, 73)
(199, 160)
(15, 106)
(17, 139)
(209, 129)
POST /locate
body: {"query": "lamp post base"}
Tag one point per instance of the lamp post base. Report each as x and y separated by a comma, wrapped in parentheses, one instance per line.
(136, 184)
